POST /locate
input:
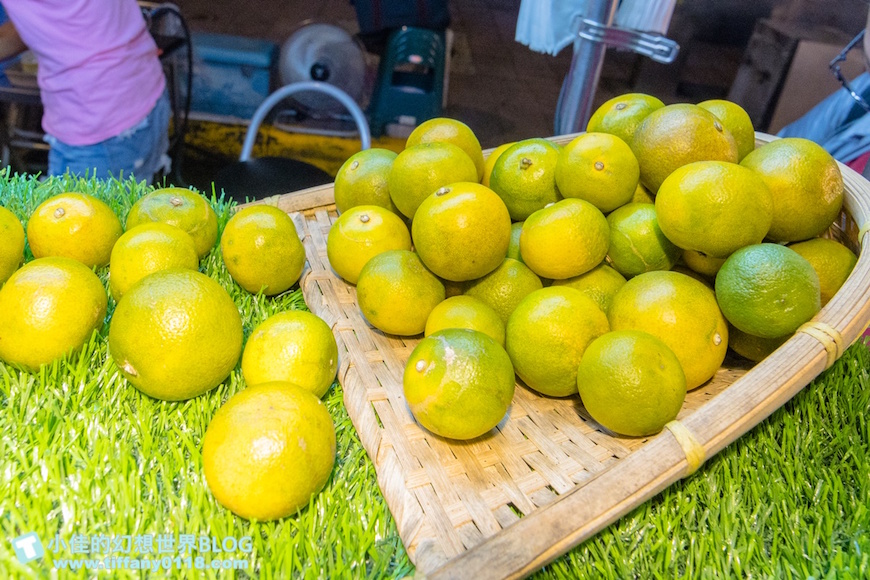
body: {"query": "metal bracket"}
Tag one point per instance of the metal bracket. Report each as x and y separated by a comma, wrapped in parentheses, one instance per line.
(655, 46)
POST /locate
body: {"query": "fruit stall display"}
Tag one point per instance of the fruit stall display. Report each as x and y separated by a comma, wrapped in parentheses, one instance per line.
(528, 344)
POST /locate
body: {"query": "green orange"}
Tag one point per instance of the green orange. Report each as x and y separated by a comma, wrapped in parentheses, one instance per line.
(767, 290)
(182, 208)
(361, 233)
(294, 346)
(466, 312)
(362, 180)
(599, 168)
(74, 225)
(832, 261)
(459, 383)
(524, 176)
(12, 246)
(806, 185)
(462, 231)
(504, 288)
(268, 450)
(637, 244)
(51, 307)
(396, 292)
(262, 251)
(622, 115)
(176, 334)
(565, 239)
(714, 207)
(676, 135)
(631, 382)
(547, 335)
(420, 170)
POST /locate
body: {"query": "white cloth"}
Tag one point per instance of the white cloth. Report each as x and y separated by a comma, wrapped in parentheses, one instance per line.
(548, 26)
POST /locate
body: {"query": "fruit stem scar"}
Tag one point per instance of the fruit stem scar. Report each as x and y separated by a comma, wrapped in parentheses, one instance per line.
(421, 364)
(599, 165)
(176, 201)
(717, 125)
(364, 218)
(717, 339)
(526, 163)
(620, 106)
(442, 191)
(59, 212)
(354, 165)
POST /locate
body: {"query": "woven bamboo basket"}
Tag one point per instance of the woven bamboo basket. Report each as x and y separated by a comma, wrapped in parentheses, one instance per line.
(547, 477)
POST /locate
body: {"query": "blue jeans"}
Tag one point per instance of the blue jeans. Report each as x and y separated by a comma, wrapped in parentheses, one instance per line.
(139, 151)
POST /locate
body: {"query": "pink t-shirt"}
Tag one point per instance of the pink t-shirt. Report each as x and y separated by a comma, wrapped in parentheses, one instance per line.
(99, 71)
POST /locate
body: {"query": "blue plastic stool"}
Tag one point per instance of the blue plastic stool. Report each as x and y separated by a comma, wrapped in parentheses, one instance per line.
(410, 82)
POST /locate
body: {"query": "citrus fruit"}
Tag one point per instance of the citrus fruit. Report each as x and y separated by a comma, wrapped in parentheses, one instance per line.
(767, 290)
(462, 231)
(714, 207)
(547, 334)
(513, 250)
(261, 250)
(444, 130)
(736, 121)
(622, 115)
(419, 171)
(268, 450)
(491, 159)
(676, 135)
(681, 312)
(11, 244)
(466, 312)
(751, 347)
(642, 195)
(702, 263)
(806, 184)
(832, 261)
(458, 383)
(637, 244)
(175, 334)
(293, 346)
(74, 225)
(147, 249)
(524, 176)
(182, 208)
(396, 292)
(361, 233)
(599, 168)
(50, 306)
(504, 288)
(362, 180)
(565, 239)
(631, 383)
(601, 284)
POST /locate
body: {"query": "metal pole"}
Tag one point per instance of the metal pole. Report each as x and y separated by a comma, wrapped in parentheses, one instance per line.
(578, 89)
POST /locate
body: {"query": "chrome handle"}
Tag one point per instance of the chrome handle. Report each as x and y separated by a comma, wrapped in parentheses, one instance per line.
(655, 46)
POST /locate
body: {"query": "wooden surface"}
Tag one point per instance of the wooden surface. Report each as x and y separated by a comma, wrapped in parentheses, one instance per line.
(548, 477)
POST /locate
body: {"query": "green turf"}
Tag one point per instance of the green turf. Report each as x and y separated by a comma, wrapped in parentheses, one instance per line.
(82, 452)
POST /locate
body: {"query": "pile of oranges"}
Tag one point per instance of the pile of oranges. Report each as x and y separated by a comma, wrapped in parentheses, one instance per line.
(620, 266)
(175, 333)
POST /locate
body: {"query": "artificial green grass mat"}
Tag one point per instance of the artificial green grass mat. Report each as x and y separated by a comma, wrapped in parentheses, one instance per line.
(84, 453)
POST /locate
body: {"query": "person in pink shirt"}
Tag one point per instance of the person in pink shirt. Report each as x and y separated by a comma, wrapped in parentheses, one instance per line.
(106, 108)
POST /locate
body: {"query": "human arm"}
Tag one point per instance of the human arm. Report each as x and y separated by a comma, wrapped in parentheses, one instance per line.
(10, 42)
